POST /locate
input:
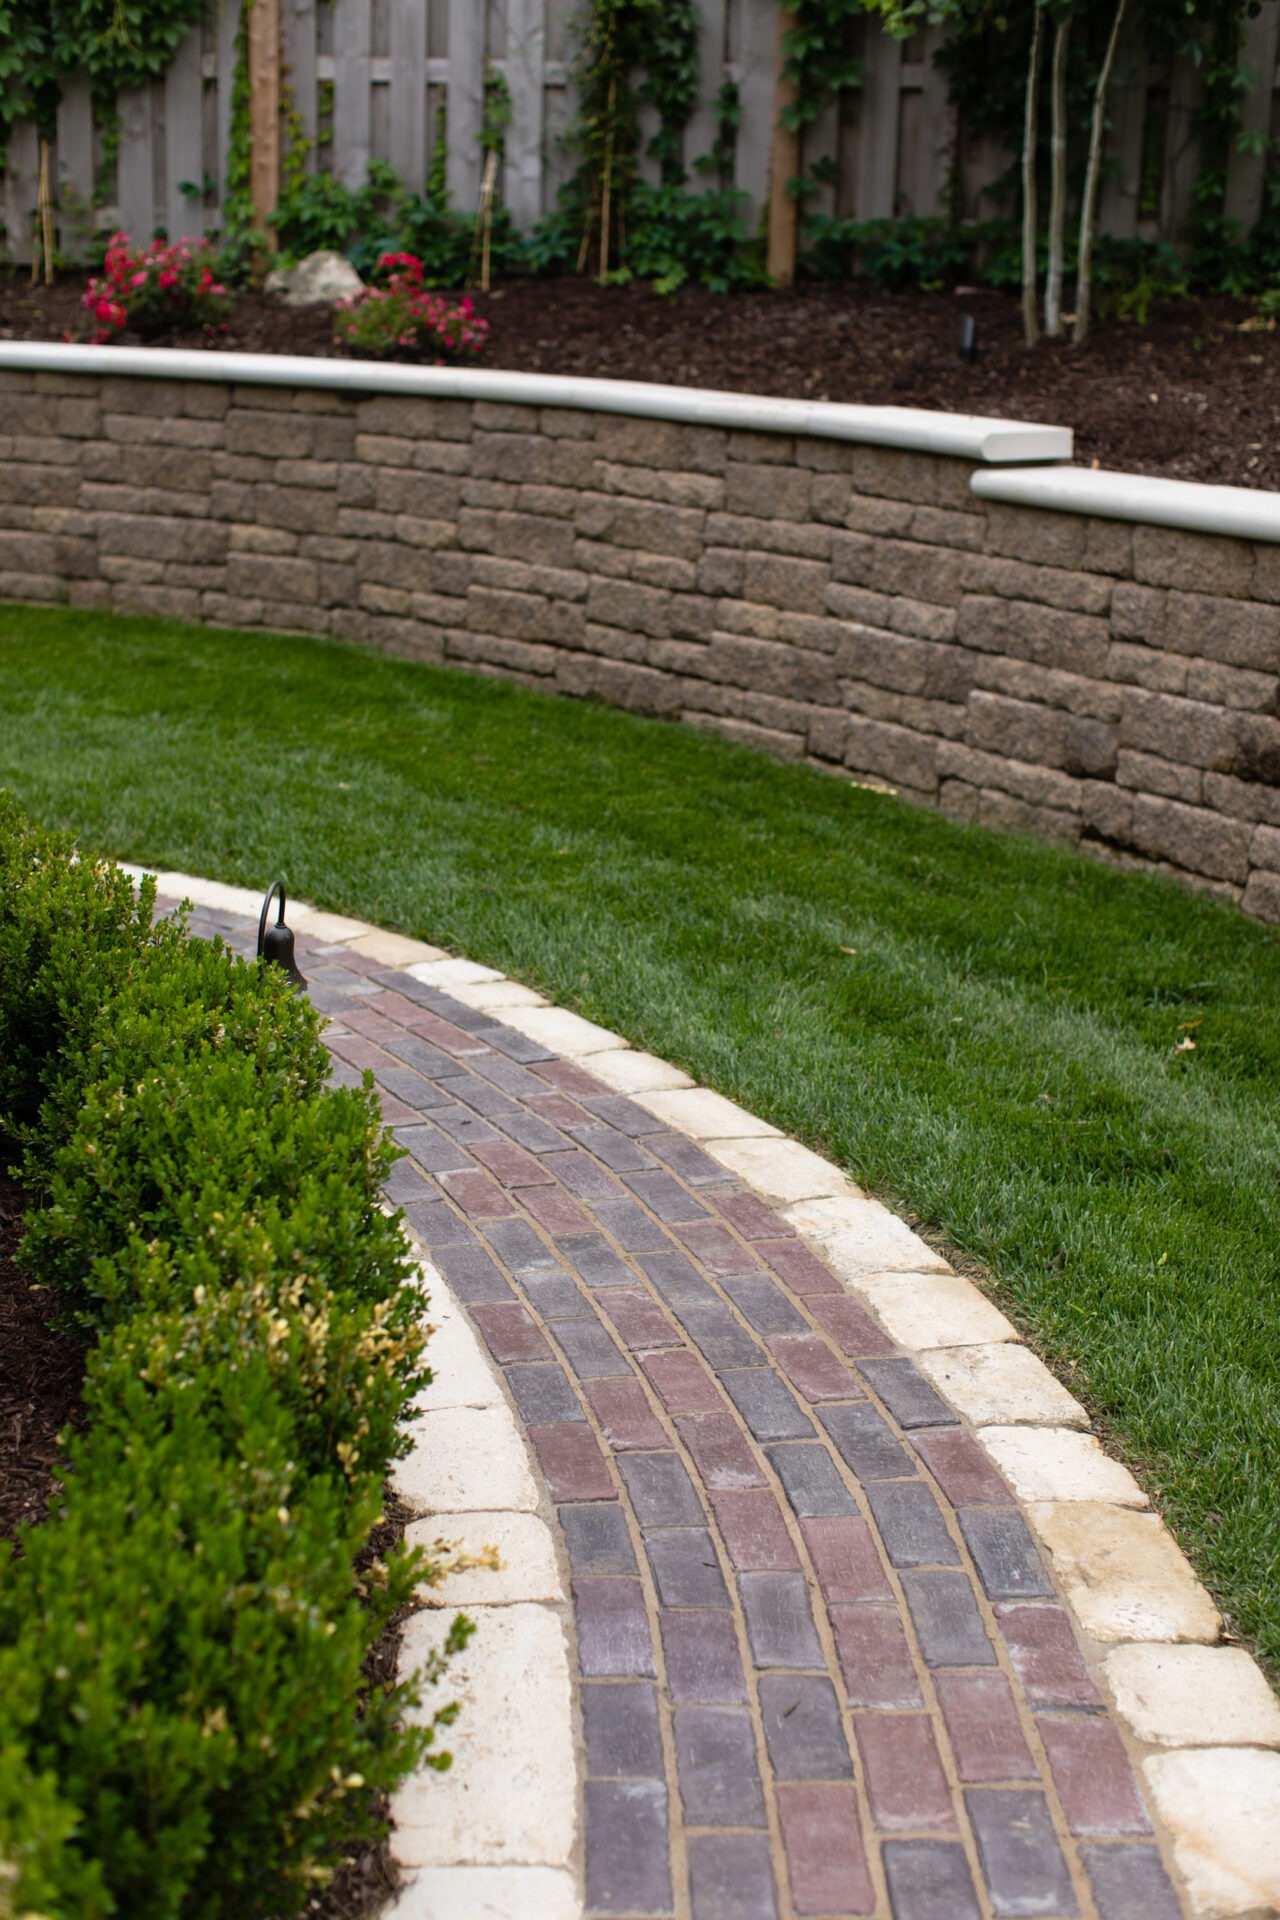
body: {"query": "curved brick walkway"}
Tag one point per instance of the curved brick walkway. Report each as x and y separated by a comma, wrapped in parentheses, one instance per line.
(822, 1666)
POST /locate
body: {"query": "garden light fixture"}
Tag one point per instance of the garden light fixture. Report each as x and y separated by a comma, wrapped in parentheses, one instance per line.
(275, 944)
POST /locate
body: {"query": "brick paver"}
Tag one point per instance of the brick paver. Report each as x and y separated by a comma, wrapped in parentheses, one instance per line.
(824, 1669)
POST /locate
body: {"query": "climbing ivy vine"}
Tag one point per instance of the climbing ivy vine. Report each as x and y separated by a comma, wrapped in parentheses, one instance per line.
(119, 43)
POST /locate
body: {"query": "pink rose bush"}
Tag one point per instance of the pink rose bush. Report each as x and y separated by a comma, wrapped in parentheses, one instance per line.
(404, 320)
(156, 289)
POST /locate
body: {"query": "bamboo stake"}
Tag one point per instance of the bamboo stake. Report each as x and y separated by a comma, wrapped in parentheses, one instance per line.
(1057, 181)
(1030, 321)
(1093, 175)
(43, 235)
(484, 217)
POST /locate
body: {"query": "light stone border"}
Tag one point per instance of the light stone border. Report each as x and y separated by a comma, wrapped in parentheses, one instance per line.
(1239, 513)
(914, 429)
(1202, 1715)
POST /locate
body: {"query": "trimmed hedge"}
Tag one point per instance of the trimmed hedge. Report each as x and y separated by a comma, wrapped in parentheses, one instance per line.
(181, 1642)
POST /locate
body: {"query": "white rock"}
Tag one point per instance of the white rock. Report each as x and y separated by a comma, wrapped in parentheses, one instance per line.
(394, 949)
(1056, 1463)
(1190, 1696)
(1222, 1805)
(861, 1236)
(704, 1115)
(780, 1168)
(525, 1547)
(317, 281)
(1123, 1573)
(487, 1893)
(466, 1460)
(933, 1309)
(633, 1072)
(1003, 1385)
(511, 1795)
(562, 1032)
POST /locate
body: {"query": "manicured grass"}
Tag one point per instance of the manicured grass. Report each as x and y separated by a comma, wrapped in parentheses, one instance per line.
(982, 1029)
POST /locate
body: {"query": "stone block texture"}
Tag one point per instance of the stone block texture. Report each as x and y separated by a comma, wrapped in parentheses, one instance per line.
(1111, 687)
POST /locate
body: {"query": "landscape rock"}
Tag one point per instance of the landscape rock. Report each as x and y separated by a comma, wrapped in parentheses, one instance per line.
(317, 281)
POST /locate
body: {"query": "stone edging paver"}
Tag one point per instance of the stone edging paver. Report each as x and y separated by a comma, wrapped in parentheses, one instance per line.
(815, 1662)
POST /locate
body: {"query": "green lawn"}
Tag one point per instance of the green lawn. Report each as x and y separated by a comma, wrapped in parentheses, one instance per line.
(981, 1029)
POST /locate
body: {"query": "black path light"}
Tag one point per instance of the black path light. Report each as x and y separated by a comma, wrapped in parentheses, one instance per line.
(275, 944)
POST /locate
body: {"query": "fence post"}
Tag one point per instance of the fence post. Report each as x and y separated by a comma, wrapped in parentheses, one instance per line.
(784, 165)
(264, 112)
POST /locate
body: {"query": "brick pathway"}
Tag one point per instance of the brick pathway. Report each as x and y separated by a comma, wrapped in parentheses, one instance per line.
(823, 1668)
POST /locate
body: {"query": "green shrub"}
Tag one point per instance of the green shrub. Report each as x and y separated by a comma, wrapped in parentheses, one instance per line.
(183, 1731)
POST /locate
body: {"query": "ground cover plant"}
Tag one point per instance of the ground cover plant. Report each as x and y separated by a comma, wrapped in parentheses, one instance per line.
(991, 1033)
(184, 1729)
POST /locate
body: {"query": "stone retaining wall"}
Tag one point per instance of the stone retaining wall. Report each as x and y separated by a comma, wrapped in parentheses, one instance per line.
(1088, 680)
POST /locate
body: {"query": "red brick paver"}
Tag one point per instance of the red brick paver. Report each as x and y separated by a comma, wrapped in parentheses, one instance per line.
(824, 1670)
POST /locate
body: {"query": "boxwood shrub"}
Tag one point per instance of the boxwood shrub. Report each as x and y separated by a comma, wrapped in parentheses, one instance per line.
(182, 1725)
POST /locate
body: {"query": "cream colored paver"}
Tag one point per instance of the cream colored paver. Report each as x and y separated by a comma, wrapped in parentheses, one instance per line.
(525, 1548)
(450, 974)
(933, 1309)
(1123, 1573)
(1192, 1696)
(463, 1375)
(395, 949)
(510, 1797)
(497, 995)
(487, 1893)
(1058, 1463)
(701, 1114)
(634, 1072)
(213, 894)
(1002, 1385)
(562, 1032)
(861, 1236)
(333, 928)
(1222, 1805)
(466, 1460)
(780, 1169)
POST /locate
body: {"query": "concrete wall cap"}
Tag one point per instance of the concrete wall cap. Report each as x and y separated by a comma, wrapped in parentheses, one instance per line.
(1239, 513)
(960, 435)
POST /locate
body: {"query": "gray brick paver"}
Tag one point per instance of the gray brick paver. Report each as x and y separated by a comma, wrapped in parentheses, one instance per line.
(727, 1369)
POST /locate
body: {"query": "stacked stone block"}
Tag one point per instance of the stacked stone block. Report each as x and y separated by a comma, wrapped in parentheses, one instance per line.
(1098, 683)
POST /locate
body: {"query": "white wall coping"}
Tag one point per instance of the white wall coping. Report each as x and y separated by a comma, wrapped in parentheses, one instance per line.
(1241, 513)
(961, 435)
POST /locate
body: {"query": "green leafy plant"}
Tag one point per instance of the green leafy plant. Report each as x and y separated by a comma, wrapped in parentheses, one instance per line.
(156, 290)
(892, 253)
(403, 320)
(185, 1730)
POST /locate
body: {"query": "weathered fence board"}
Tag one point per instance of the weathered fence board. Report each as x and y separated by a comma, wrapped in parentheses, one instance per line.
(369, 79)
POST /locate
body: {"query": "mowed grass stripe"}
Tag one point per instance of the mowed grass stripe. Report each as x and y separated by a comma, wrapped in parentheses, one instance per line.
(981, 1028)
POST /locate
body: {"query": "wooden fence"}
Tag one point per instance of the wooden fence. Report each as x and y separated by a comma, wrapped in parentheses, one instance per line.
(368, 79)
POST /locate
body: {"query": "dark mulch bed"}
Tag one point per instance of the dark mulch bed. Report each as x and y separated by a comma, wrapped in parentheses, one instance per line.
(40, 1375)
(1188, 395)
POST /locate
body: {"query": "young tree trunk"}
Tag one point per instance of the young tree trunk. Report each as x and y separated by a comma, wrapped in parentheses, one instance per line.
(1057, 181)
(784, 165)
(1093, 175)
(1030, 322)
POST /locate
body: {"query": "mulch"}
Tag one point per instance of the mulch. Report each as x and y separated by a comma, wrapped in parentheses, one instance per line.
(1188, 395)
(41, 1370)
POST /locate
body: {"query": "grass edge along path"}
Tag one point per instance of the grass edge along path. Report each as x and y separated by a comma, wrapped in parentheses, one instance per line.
(989, 1033)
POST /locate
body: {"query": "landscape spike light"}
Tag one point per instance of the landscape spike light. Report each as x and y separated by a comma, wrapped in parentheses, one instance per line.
(275, 944)
(968, 338)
